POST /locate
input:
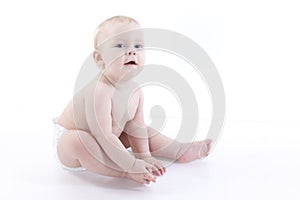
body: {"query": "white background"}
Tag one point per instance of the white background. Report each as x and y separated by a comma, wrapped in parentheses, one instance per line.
(255, 46)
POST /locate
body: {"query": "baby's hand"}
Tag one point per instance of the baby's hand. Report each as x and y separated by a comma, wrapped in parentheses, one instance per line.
(141, 172)
(144, 178)
(157, 168)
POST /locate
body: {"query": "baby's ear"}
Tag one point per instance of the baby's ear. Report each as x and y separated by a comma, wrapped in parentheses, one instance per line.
(98, 59)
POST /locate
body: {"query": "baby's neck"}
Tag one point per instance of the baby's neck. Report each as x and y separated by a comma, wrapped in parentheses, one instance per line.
(113, 83)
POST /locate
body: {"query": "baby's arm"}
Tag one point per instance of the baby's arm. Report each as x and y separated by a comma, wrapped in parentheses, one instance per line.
(138, 138)
(137, 131)
(98, 115)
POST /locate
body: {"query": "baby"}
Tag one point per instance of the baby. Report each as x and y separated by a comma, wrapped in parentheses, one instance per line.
(105, 117)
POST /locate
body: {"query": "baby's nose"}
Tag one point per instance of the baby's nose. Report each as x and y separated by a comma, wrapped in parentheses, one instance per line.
(131, 53)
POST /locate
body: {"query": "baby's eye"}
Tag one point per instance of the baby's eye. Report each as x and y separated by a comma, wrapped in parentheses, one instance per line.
(138, 46)
(120, 46)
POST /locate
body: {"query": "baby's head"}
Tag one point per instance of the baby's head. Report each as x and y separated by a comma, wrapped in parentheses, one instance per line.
(119, 49)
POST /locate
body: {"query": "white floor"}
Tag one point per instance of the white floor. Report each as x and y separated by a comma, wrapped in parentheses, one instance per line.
(253, 160)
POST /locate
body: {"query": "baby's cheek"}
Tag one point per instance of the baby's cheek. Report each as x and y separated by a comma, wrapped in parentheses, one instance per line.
(115, 56)
(141, 59)
(116, 62)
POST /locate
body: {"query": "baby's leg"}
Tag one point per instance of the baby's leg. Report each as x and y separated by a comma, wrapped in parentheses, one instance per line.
(78, 148)
(163, 146)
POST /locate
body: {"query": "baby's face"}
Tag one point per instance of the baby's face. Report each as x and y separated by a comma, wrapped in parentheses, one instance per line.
(122, 49)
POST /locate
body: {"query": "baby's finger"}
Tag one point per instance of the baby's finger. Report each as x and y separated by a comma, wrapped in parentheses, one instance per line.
(146, 181)
(157, 169)
(154, 170)
(143, 181)
(161, 168)
(149, 177)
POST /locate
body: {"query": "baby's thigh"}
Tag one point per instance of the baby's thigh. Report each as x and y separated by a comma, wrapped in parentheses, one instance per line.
(68, 148)
(76, 146)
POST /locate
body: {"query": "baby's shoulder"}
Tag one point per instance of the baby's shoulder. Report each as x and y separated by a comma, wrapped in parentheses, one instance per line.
(138, 88)
(133, 85)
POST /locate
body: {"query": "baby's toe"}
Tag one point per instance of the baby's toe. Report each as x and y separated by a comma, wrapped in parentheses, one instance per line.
(203, 151)
(208, 141)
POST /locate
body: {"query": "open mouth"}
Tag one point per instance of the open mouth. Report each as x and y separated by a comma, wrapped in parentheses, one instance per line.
(131, 63)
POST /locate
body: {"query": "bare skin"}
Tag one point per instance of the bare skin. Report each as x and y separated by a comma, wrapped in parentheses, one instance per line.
(101, 127)
(80, 148)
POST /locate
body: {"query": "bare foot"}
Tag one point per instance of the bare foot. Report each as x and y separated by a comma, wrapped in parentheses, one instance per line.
(196, 150)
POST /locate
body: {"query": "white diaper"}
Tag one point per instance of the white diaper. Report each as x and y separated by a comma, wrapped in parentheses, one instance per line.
(58, 131)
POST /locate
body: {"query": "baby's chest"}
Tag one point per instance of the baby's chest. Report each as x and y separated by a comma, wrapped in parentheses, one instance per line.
(123, 110)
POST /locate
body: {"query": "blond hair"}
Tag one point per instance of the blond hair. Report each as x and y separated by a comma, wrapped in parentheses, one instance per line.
(99, 30)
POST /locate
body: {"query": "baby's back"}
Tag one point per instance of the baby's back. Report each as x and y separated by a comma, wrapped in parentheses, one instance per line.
(124, 102)
(74, 115)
